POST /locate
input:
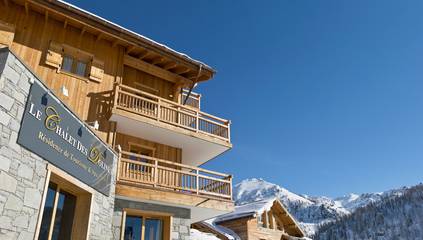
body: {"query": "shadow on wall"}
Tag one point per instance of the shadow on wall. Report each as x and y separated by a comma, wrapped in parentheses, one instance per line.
(100, 107)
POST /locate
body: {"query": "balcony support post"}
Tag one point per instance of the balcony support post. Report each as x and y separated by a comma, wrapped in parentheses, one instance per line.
(158, 110)
(118, 166)
(197, 176)
(116, 95)
(197, 121)
(156, 172)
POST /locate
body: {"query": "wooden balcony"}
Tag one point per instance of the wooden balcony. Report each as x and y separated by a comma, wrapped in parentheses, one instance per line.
(140, 170)
(162, 110)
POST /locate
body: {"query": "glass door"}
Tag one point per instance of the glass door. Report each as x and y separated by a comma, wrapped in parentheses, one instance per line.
(143, 228)
(58, 214)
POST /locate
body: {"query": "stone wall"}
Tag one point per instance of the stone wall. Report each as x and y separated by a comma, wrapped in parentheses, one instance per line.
(180, 220)
(22, 173)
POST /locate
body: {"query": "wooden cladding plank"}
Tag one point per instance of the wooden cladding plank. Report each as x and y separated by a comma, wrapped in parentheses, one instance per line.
(154, 70)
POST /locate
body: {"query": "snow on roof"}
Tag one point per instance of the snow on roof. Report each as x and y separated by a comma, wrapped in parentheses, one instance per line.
(94, 16)
(231, 235)
(249, 209)
(197, 235)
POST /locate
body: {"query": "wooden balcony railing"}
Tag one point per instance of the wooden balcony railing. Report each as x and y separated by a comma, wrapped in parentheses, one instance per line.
(140, 169)
(163, 110)
(193, 99)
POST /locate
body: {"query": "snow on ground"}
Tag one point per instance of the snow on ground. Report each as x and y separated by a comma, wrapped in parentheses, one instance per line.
(197, 235)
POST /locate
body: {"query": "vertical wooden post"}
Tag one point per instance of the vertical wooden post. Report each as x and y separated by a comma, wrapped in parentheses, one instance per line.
(178, 116)
(122, 227)
(53, 215)
(116, 96)
(265, 219)
(118, 165)
(271, 220)
(158, 109)
(198, 181)
(197, 127)
(156, 172)
(230, 187)
(229, 130)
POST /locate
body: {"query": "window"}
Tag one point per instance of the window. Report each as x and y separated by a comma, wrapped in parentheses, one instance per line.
(81, 68)
(75, 66)
(74, 61)
(58, 214)
(133, 228)
(67, 64)
(145, 227)
(66, 210)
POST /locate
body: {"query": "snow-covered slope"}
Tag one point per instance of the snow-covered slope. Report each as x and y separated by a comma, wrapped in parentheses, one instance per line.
(353, 201)
(396, 215)
(309, 211)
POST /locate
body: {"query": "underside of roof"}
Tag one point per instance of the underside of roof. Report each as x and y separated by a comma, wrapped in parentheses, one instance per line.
(136, 45)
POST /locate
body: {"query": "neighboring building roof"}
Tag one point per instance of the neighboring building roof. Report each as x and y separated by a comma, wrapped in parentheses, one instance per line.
(255, 209)
(247, 210)
(228, 233)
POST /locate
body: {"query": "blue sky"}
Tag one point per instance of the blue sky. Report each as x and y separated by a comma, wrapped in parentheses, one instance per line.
(326, 97)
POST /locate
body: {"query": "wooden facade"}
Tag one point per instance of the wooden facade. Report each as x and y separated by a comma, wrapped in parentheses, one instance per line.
(99, 69)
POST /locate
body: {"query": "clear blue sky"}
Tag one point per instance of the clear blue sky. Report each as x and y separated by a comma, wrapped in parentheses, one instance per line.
(326, 97)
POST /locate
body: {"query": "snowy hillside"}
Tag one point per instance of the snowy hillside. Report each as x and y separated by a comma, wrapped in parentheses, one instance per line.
(310, 212)
(394, 216)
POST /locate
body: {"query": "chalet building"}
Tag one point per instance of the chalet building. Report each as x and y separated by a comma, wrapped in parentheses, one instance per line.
(262, 220)
(101, 134)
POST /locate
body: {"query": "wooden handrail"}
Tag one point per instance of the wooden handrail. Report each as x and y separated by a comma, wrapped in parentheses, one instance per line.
(163, 110)
(171, 175)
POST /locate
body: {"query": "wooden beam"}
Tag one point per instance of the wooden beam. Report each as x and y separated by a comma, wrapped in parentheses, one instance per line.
(83, 30)
(153, 70)
(26, 7)
(182, 71)
(130, 49)
(46, 16)
(65, 24)
(99, 37)
(157, 60)
(170, 65)
(144, 55)
(115, 43)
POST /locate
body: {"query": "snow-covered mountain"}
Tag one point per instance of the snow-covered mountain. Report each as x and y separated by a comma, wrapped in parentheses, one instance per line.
(394, 216)
(309, 211)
